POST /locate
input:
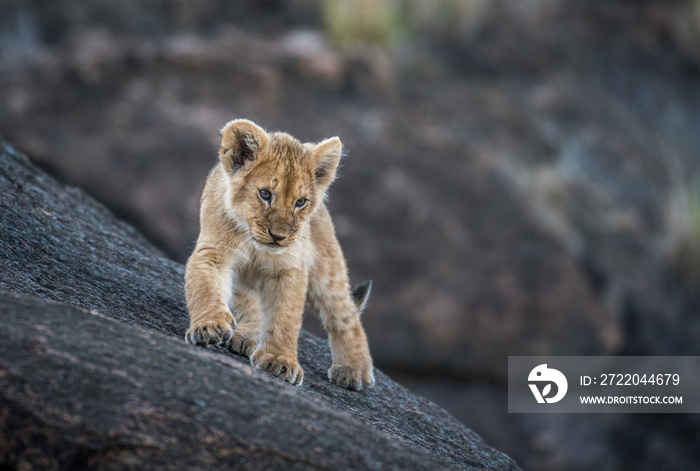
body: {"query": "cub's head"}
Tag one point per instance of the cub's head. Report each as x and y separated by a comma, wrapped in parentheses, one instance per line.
(274, 182)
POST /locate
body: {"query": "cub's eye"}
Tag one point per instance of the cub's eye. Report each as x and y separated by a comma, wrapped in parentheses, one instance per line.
(301, 202)
(265, 195)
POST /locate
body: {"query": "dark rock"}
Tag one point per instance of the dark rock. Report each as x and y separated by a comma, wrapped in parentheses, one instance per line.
(94, 372)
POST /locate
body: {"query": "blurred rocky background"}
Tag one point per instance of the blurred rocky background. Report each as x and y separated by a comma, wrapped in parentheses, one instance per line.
(522, 177)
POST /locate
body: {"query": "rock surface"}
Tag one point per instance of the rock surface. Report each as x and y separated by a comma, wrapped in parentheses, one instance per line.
(94, 372)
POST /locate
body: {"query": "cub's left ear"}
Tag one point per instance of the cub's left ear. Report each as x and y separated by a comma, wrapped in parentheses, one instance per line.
(325, 157)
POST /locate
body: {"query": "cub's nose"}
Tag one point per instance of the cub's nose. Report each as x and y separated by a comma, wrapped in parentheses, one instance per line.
(274, 236)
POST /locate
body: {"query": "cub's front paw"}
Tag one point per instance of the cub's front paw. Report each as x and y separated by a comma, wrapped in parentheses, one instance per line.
(352, 377)
(244, 340)
(215, 330)
(282, 366)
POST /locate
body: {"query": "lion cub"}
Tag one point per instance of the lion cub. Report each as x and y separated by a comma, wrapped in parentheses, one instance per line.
(266, 246)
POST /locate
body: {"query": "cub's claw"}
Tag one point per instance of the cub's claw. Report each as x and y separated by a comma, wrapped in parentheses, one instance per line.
(244, 341)
(352, 378)
(211, 332)
(283, 367)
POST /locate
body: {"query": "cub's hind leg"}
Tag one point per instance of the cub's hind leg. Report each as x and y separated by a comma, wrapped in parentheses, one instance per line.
(339, 310)
(245, 303)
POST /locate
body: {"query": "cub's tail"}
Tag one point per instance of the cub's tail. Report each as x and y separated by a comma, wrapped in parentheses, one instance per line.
(360, 295)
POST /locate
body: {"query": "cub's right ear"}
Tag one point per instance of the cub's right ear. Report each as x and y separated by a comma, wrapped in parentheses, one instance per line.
(241, 140)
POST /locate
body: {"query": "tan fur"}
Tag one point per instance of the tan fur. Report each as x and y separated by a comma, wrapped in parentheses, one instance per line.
(263, 259)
